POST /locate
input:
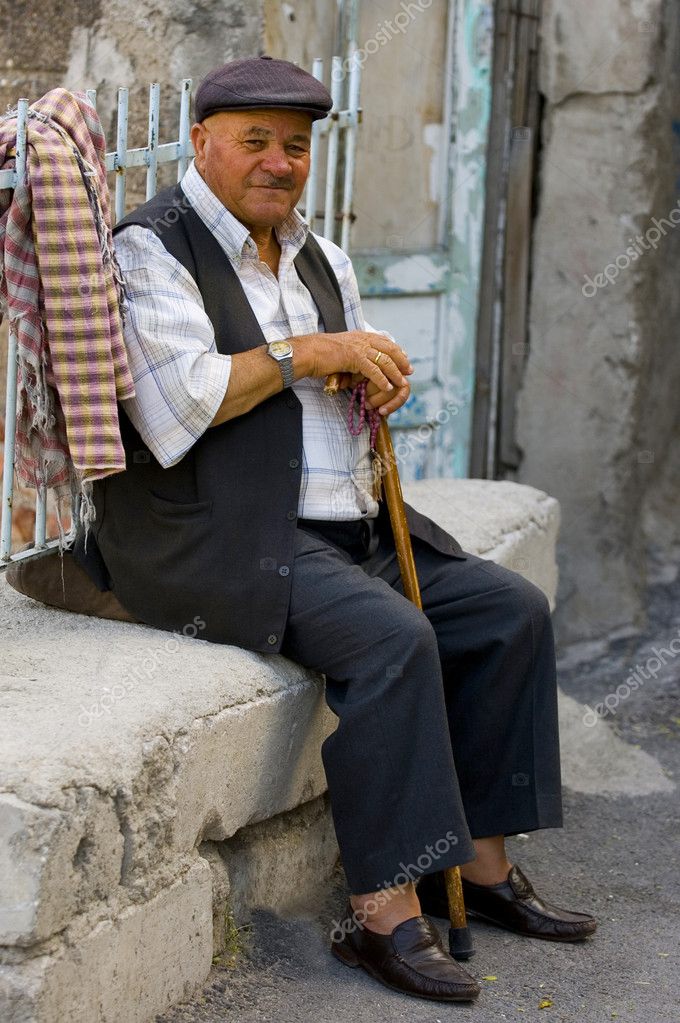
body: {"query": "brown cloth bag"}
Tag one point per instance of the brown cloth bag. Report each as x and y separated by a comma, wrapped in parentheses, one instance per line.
(41, 579)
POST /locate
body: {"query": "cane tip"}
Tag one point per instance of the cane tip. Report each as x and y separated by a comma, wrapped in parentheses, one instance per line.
(460, 943)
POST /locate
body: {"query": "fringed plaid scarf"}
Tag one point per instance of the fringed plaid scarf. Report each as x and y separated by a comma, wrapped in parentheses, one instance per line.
(61, 288)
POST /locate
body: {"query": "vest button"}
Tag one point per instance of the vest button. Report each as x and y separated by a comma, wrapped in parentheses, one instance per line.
(293, 463)
(291, 402)
(291, 515)
(284, 570)
(272, 639)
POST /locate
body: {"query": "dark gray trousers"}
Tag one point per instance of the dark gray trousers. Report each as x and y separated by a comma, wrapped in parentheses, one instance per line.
(447, 725)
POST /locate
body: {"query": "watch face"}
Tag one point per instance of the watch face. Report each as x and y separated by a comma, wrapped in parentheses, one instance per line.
(280, 348)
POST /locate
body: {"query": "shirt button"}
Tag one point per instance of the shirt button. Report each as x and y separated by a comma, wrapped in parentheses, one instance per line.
(272, 639)
(291, 515)
(284, 570)
(293, 463)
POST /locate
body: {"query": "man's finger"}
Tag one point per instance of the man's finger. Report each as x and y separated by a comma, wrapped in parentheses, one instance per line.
(384, 373)
(388, 402)
(397, 354)
(375, 397)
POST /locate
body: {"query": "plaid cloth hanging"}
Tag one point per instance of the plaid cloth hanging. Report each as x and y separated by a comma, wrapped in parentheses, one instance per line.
(61, 288)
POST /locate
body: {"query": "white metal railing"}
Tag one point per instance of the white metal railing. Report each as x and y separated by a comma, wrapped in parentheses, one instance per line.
(340, 129)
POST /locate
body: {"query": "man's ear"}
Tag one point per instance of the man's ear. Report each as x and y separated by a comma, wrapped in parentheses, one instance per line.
(198, 136)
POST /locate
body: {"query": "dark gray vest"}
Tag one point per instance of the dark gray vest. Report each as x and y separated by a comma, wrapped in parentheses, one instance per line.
(214, 535)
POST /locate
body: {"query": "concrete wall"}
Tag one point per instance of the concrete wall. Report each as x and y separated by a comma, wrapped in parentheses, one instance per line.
(598, 411)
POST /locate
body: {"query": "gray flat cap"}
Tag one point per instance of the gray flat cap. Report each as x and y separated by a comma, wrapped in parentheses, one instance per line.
(261, 82)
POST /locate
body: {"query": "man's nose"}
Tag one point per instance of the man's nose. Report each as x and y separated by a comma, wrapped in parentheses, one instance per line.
(276, 161)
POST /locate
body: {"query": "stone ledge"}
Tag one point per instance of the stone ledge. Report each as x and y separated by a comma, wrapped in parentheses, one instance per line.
(510, 523)
(134, 758)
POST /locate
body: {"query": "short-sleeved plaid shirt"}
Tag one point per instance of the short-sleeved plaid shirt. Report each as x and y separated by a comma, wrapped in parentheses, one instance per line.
(180, 377)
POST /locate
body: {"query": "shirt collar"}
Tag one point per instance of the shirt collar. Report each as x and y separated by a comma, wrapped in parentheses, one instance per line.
(232, 235)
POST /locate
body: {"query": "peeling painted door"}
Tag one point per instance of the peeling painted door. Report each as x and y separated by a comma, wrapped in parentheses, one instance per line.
(419, 206)
(418, 197)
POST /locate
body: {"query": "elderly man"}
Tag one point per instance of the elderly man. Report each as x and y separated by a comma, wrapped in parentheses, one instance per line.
(247, 501)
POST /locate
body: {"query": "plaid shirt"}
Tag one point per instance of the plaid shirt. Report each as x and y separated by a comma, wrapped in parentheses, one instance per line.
(180, 378)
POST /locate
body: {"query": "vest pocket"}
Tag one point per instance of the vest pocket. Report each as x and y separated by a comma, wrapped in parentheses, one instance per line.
(179, 509)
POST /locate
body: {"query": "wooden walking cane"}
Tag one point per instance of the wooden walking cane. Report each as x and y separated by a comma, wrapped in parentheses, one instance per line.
(460, 939)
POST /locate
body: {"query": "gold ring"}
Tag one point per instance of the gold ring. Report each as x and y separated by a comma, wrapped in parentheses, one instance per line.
(378, 357)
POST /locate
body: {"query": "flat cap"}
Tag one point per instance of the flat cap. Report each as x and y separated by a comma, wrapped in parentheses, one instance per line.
(261, 82)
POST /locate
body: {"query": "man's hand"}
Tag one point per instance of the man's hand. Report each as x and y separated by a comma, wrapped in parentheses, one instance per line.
(352, 354)
(385, 402)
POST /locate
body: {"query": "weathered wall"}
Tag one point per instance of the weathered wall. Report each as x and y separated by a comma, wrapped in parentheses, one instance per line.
(301, 30)
(399, 148)
(93, 45)
(598, 408)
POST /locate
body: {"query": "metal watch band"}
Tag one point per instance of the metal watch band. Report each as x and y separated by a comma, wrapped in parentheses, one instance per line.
(286, 367)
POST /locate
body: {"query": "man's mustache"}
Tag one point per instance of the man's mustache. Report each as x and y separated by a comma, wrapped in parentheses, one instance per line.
(286, 183)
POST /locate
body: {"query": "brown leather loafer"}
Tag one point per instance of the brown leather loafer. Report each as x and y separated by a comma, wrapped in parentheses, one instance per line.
(513, 904)
(411, 959)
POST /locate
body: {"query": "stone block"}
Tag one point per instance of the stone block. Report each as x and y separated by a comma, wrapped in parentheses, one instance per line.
(123, 968)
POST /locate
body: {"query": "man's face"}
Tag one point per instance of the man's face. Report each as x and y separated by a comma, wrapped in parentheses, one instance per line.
(255, 161)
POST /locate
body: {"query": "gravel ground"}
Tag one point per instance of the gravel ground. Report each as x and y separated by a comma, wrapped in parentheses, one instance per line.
(617, 857)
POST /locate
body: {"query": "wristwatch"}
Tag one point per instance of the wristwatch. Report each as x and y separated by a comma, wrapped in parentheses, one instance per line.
(282, 351)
